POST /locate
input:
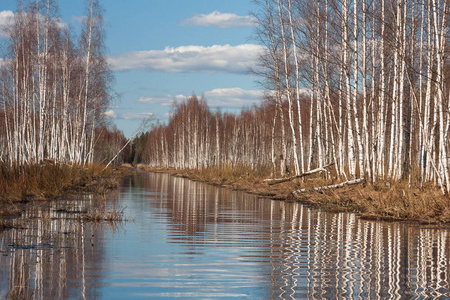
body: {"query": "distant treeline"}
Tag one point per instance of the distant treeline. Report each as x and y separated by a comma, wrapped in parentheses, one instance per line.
(362, 83)
(197, 137)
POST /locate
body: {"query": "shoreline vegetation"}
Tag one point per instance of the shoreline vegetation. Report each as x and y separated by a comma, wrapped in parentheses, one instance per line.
(383, 200)
(39, 184)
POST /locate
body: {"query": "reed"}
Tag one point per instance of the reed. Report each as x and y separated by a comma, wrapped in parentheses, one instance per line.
(113, 215)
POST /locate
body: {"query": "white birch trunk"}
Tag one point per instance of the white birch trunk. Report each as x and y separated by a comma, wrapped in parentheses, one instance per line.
(355, 89)
(288, 90)
(350, 139)
(381, 113)
(297, 87)
(365, 125)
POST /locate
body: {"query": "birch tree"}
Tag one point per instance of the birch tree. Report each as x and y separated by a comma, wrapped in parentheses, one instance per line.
(54, 90)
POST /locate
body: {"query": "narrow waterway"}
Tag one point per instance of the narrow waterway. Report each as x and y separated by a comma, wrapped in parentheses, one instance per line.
(189, 240)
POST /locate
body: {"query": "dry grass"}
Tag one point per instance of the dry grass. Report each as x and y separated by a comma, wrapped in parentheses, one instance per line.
(47, 181)
(400, 201)
(99, 215)
(51, 180)
(235, 177)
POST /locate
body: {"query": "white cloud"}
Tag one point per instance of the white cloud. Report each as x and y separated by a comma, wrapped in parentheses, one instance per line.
(224, 98)
(186, 59)
(232, 97)
(79, 19)
(6, 18)
(61, 24)
(165, 100)
(134, 116)
(110, 113)
(218, 19)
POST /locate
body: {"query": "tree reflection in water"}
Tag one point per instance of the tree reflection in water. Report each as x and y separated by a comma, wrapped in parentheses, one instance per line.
(313, 254)
(49, 251)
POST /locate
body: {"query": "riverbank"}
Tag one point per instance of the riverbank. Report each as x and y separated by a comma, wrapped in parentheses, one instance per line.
(385, 200)
(37, 184)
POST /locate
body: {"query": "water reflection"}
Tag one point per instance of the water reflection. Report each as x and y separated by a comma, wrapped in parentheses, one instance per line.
(49, 252)
(191, 240)
(311, 254)
(330, 256)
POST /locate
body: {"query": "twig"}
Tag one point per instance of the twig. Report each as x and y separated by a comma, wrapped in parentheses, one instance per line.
(280, 180)
(333, 186)
(143, 125)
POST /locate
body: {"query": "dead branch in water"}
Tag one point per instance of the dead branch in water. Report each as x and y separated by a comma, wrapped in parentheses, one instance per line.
(281, 180)
(333, 186)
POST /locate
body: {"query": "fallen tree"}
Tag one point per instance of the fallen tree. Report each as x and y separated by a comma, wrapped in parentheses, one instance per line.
(274, 181)
(333, 186)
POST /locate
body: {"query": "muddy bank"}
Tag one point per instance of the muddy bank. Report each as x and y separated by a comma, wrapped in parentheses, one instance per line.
(384, 200)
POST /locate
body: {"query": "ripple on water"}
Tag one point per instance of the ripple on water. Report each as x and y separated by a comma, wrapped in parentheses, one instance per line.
(190, 240)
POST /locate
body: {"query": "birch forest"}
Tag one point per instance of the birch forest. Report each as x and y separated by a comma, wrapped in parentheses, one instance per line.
(54, 85)
(362, 84)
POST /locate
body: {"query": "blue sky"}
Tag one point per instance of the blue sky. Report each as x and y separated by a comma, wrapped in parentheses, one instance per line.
(161, 50)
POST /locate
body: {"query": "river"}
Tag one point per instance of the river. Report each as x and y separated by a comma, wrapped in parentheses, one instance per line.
(189, 240)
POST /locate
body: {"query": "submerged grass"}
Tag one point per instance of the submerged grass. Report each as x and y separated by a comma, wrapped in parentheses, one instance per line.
(383, 200)
(113, 215)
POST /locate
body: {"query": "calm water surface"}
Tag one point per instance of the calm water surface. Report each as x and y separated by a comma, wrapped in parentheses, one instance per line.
(193, 241)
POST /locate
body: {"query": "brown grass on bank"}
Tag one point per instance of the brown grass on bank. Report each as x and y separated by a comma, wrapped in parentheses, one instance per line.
(384, 200)
(49, 180)
(387, 200)
(228, 175)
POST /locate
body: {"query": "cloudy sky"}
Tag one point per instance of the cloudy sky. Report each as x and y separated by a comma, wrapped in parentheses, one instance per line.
(166, 50)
